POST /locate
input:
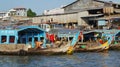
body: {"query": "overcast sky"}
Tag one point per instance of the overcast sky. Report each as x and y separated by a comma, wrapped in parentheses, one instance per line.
(37, 6)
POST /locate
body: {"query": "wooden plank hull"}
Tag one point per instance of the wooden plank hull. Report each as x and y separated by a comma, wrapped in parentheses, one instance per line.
(53, 51)
(101, 48)
(48, 52)
(33, 51)
(114, 47)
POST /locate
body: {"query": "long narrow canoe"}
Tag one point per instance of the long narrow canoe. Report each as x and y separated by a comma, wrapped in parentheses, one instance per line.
(101, 48)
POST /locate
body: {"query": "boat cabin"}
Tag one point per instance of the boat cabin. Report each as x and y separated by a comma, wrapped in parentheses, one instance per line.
(22, 35)
(92, 36)
(64, 34)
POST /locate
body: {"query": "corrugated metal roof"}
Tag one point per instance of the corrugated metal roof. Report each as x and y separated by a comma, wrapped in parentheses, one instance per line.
(108, 32)
(19, 28)
(64, 31)
(102, 1)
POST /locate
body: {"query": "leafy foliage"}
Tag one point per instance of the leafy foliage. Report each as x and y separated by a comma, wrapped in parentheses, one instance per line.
(30, 13)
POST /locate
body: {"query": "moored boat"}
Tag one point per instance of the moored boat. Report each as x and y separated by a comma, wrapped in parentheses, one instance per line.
(64, 49)
(101, 48)
(115, 46)
(93, 49)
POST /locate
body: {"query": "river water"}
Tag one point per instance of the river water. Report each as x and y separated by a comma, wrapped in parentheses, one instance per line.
(110, 59)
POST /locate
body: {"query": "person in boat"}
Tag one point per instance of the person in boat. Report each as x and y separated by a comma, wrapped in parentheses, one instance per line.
(81, 36)
(38, 44)
(52, 39)
(101, 41)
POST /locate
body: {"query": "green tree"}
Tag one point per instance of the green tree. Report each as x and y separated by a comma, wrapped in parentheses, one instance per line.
(30, 13)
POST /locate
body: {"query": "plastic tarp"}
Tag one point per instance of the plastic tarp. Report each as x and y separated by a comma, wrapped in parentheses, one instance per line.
(101, 22)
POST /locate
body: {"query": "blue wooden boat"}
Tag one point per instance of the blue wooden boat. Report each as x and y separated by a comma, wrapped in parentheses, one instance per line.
(67, 49)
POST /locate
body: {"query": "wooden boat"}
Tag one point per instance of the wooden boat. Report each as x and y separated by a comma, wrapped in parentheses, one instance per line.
(33, 51)
(69, 48)
(65, 49)
(25, 50)
(115, 46)
(101, 48)
(49, 51)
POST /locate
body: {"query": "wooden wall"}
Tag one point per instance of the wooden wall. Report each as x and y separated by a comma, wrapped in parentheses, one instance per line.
(63, 18)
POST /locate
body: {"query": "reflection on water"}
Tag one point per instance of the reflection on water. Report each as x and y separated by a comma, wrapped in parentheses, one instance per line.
(110, 59)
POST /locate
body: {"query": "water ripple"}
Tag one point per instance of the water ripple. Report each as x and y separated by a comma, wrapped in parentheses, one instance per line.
(110, 59)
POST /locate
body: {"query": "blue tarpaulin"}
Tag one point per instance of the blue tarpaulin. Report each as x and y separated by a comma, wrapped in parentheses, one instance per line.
(101, 22)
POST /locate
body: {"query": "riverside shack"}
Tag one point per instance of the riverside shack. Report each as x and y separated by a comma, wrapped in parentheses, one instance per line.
(22, 35)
